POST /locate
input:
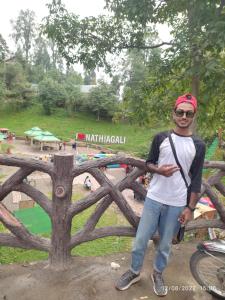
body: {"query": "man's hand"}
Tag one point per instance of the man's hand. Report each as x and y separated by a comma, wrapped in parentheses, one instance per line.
(186, 216)
(167, 170)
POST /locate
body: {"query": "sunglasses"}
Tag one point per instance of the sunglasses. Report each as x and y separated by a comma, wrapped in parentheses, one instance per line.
(180, 113)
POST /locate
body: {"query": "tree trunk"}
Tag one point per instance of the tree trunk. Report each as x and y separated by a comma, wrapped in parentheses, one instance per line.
(195, 91)
(60, 255)
(195, 56)
(98, 115)
(195, 83)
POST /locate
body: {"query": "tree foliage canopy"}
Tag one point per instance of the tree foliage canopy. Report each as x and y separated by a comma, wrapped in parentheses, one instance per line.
(24, 30)
(102, 100)
(89, 40)
(51, 94)
(196, 25)
(154, 72)
(3, 48)
(191, 60)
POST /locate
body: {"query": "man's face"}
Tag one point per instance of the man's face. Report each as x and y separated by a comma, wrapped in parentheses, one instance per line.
(183, 115)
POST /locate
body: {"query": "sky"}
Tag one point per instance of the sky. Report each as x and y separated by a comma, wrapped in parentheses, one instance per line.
(11, 8)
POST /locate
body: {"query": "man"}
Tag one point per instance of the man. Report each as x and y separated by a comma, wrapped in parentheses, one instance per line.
(165, 206)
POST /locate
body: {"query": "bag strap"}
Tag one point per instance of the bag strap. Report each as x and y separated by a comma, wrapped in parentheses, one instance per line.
(177, 161)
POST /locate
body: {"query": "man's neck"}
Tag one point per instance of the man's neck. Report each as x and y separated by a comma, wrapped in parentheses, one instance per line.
(182, 131)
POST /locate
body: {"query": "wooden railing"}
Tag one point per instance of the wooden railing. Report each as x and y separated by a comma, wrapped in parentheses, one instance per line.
(61, 210)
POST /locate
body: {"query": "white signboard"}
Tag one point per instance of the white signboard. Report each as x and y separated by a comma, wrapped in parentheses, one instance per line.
(100, 138)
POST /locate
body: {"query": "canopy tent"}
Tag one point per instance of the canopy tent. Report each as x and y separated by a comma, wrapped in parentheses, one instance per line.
(33, 132)
(46, 137)
(4, 130)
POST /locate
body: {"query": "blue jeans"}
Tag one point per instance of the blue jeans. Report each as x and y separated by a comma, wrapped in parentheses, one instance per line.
(155, 216)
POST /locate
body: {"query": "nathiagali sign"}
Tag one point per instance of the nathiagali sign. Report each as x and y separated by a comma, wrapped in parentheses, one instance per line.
(100, 138)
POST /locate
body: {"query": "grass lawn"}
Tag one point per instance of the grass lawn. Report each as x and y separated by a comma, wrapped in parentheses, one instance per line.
(64, 127)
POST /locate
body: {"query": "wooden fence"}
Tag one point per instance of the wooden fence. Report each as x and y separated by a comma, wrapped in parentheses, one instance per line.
(61, 210)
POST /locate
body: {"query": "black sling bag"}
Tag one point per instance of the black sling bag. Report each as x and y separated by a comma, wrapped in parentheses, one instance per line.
(181, 170)
(180, 234)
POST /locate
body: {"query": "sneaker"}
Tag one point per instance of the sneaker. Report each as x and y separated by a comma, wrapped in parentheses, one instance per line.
(158, 284)
(126, 280)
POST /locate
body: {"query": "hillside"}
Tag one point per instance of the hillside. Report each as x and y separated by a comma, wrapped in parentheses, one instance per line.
(64, 127)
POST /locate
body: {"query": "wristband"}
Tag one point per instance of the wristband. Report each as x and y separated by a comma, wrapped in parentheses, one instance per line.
(191, 209)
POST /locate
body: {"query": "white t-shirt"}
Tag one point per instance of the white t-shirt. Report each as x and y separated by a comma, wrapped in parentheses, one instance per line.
(190, 152)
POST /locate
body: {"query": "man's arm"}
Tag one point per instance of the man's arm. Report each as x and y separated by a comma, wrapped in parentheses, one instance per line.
(196, 179)
(187, 213)
(153, 156)
(193, 200)
(164, 170)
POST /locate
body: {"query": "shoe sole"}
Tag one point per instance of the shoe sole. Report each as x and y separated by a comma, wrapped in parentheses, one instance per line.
(127, 286)
(160, 295)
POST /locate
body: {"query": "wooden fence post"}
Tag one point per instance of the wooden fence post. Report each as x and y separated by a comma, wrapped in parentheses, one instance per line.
(60, 255)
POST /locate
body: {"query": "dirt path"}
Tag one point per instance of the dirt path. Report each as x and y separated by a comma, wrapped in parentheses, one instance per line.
(91, 278)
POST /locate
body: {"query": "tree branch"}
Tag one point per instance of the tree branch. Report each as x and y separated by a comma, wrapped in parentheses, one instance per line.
(9, 240)
(117, 197)
(83, 236)
(220, 8)
(214, 198)
(144, 47)
(21, 232)
(220, 187)
(29, 163)
(86, 166)
(92, 198)
(212, 180)
(94, 218)
(214, 165)
(14, 180)
(36, 195)
(202, 223)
